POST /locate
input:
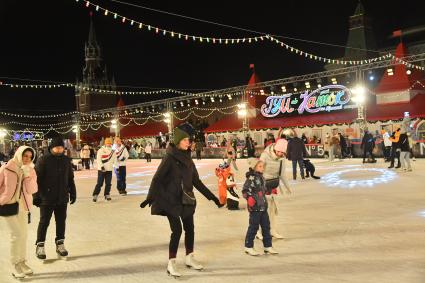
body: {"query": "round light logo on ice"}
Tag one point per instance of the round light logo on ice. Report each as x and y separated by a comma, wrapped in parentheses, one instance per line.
(340, 178)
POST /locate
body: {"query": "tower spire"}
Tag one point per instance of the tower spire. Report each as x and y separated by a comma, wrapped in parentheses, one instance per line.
(92, 34)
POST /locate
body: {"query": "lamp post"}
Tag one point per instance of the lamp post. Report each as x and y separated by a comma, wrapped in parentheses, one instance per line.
(115, 127)
(168, 119)
(76, 130)
(3, 133)
(360, 98)
(243, 114)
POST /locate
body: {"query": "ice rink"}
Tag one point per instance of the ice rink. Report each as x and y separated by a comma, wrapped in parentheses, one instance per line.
(359, 223)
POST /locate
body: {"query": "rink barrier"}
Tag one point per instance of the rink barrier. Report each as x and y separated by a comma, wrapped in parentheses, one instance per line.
(313, 151)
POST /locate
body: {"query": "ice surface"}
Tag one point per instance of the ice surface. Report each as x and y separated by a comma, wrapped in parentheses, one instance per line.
(353, 225)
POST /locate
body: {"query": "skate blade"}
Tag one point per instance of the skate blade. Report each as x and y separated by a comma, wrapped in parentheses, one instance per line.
(171, 275)
(65, 258)
(191, 267)
(21, 277)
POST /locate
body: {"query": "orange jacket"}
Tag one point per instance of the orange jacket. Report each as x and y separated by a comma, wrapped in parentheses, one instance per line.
(396, 137)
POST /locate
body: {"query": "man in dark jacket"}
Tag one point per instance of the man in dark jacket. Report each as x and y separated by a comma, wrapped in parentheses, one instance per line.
(368, 144)
(56, 188)
(343, 145)
(250, 147)
(296, 152)
(199, 146)
(171, 195)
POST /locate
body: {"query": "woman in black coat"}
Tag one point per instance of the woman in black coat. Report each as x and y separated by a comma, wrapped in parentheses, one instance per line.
(171, 195)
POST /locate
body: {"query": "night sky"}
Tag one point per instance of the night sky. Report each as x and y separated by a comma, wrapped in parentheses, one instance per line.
(44, 40)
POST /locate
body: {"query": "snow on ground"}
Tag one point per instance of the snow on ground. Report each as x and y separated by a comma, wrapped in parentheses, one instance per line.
(359, 223)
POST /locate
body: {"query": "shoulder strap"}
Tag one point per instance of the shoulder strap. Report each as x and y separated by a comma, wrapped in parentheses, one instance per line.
(280, 168)
(119, 154)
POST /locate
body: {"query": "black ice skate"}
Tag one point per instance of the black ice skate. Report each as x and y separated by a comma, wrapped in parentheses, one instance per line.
(40, 252)
(60, 248)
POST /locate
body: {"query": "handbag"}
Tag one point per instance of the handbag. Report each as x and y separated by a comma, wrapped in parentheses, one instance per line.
(188, 198)
(274, 183)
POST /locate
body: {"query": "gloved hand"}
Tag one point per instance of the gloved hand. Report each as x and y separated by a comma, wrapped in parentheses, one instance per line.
(251, 201)
(36, 201)
(145, 203)
(27, 170)
(72, 199)
(103, 169)
(122, 159)
(218, 203)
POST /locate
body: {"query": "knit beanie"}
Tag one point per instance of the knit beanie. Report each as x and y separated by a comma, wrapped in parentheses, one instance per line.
(108, 140)
(182, 131)
(252, 162)
(281, 145)
(57, 141)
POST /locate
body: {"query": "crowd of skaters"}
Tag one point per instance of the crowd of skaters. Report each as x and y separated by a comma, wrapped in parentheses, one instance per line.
(49, 185)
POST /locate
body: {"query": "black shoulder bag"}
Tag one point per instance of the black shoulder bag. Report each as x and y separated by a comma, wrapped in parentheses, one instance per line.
(274, 183)
(188, 198)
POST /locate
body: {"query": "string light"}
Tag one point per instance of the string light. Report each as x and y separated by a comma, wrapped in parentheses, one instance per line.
(342, 62)
(261, 38)
(170, 33)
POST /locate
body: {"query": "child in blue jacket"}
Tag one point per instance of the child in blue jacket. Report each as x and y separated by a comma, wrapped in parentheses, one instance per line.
(254, 191)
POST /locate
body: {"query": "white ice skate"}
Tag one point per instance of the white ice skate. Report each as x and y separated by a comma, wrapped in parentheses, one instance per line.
(25, 268)
(270, 250)
(18, 273)
(172, 268)
(191, 262)
(251, 252)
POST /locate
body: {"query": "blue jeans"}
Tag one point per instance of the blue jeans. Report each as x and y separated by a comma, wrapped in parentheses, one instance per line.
(121, 173)
(294, 167)
(103, 177)
(257, 218)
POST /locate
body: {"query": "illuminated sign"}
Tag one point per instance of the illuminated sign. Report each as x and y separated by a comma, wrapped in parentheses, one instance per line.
(27, 136)
(327, 98)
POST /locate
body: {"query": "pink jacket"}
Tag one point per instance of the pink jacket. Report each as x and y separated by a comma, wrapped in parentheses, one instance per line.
(8, 181)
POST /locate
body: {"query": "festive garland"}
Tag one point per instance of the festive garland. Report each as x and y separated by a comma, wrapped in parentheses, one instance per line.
(226, 41)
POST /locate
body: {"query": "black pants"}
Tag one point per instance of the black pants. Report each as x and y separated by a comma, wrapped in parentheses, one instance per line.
(343, 151)
(300, 163)
(121, 176)
(46, 212)
(86, 163)
(103, 177)
(148, 157)
(395, 154)
(387, 152)
(176, 232)
(257, 219)
(198, 155)
(365, 153)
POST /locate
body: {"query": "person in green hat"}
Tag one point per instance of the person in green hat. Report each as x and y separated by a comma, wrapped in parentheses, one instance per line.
(171, 195)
